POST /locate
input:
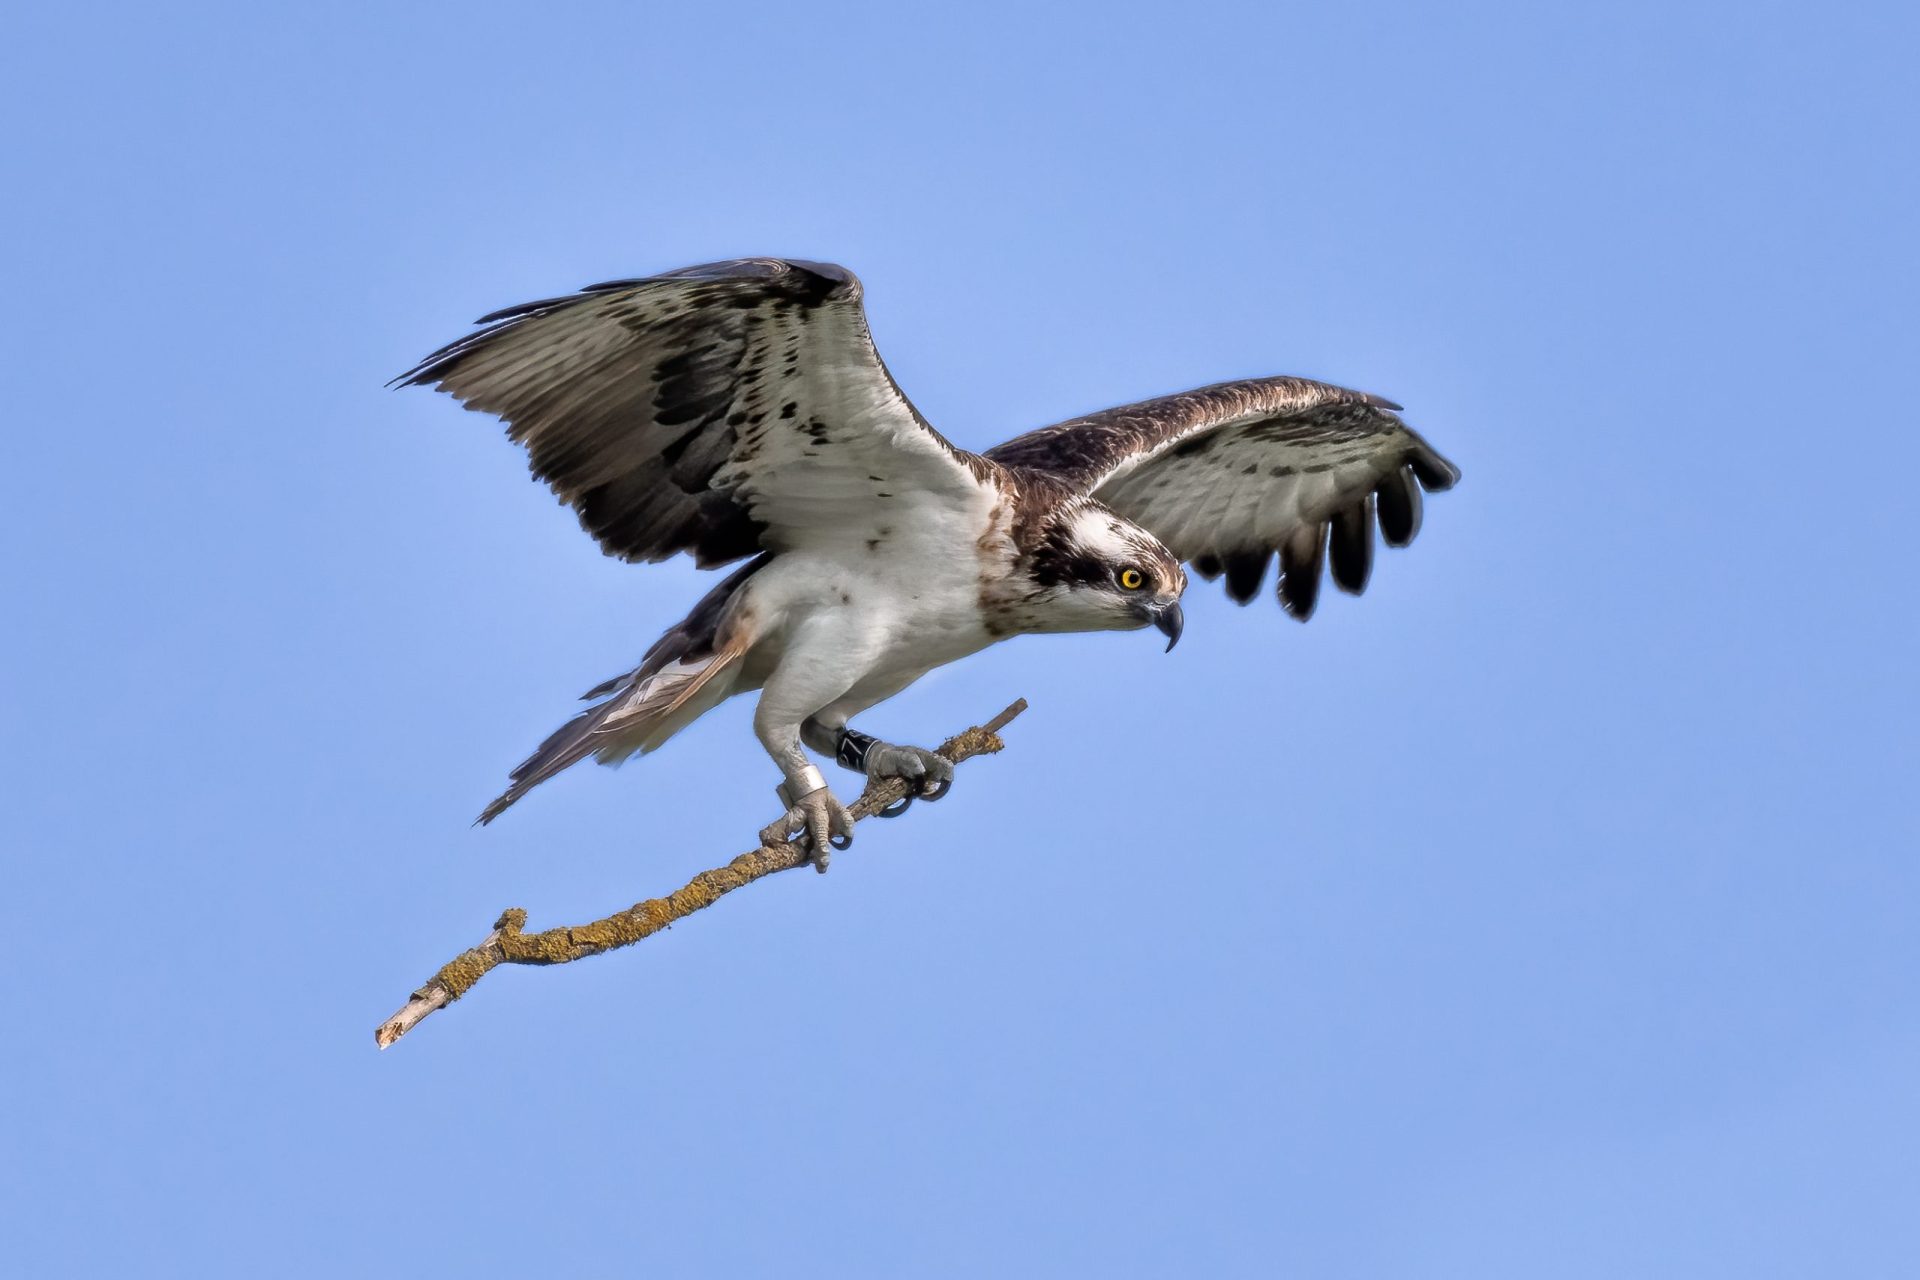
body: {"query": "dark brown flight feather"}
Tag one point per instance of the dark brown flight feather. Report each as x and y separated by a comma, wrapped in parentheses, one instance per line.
(1230, 474)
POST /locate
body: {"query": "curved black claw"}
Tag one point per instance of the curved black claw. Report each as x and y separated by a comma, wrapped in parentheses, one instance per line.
(924, 774)
(818, 823)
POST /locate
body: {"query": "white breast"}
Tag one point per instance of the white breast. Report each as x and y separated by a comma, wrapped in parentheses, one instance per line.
(874, 617)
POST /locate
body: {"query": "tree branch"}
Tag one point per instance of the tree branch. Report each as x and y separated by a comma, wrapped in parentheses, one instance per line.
(508, 945)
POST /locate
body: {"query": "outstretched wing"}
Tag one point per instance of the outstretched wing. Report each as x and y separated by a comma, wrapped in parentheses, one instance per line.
(718, 410)
(1228, 475)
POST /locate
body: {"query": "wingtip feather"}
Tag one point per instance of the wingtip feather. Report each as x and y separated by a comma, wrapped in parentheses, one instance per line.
(1435, 473)
(1350, 547)
(1399, 506)
(1301, 559)
(1245, 571)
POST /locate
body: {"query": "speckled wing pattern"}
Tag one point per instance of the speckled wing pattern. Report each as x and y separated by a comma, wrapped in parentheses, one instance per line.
(1230, 475)
(718, 410)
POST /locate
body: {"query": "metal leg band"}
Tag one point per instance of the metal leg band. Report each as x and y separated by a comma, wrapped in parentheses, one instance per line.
(810, 780)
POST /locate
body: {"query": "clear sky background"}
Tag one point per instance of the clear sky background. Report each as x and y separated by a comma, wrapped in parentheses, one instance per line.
(1548, 911)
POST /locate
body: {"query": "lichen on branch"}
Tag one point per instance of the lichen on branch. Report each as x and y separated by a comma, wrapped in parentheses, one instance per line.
(509, 943)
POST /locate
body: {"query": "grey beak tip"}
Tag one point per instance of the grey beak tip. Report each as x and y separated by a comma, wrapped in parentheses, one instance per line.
(1171, 622)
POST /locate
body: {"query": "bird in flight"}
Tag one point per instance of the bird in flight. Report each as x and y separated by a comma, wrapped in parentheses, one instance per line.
(738, 411)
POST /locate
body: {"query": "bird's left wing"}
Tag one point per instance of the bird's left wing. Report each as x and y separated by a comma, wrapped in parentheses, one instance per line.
(717, 410)
(1231, 474)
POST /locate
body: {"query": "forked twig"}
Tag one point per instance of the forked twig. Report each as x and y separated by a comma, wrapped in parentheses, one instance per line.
(508, 945)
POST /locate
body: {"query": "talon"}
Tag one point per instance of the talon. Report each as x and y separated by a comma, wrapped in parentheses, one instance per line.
(939, 779)
(928, 776)
(822, 824)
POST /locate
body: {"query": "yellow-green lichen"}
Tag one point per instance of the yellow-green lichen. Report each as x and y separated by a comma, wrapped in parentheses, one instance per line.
(510, 944)
(459, 974)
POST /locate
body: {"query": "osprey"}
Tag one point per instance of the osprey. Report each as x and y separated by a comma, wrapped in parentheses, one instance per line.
(739, 411)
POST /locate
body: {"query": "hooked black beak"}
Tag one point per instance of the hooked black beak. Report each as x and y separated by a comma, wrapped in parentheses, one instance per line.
(1169, 620)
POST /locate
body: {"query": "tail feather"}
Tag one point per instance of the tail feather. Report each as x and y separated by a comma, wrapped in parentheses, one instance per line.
(648, 705)
(571, 743)
(639, 716)
(669, 690)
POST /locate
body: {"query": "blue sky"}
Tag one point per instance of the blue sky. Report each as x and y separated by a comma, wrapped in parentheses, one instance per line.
(1550, 910)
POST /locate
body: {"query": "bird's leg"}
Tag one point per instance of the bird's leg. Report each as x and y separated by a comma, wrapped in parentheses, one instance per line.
(927, 775)
(811, 807)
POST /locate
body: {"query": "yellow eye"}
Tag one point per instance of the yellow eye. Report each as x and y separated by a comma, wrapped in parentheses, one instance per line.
(1131, 579)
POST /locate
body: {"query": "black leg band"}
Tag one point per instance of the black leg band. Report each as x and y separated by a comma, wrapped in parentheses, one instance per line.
(852, 752)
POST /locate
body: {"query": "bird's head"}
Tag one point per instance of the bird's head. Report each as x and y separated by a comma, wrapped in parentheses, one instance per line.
(1093, 570)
